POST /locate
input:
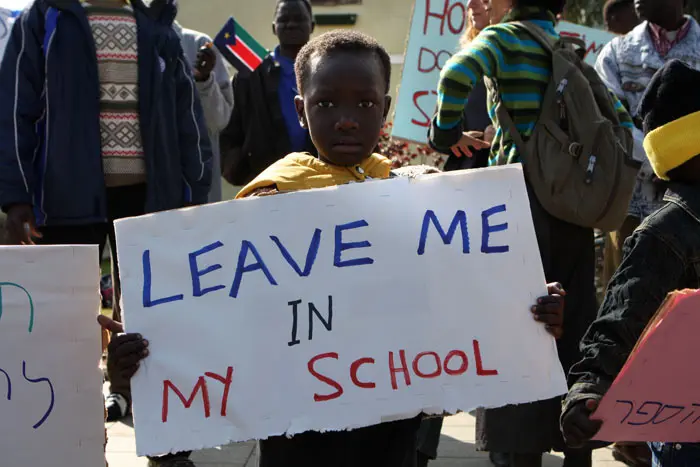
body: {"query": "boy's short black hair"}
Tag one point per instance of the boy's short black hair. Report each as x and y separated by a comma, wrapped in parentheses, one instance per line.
(306, 3)
(613, 6)
(341, 40)
(555, 6)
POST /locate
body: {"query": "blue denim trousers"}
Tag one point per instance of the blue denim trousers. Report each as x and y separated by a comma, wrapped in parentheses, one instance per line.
(675, 454)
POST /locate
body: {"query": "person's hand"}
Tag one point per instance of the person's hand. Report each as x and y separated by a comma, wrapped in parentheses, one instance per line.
(576, 424)
(489, 134)
(549, 310)
(125, 351)
(206, 61)
(470, 140)
(20, 225)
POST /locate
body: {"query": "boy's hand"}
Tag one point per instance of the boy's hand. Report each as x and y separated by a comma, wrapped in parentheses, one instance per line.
(550, 310)
(576, 424)
(20, 225)
(125, 351)
(470, 140)
(206, 61)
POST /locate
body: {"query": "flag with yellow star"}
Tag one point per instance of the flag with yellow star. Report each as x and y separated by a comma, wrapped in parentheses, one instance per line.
(239, 48)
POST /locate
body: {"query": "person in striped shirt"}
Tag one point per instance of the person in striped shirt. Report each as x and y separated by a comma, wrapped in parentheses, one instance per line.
(521, 69)
(520, 66)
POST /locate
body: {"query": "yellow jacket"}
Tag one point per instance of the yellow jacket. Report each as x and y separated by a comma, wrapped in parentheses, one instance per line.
(302, 171)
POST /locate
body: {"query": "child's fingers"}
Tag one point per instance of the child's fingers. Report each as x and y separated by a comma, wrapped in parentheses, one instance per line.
(552, 308)
(110, 325)
(127, 373)
(127, 346)
(556, 288)
(549, 318)
(130, 360)
(554, 331)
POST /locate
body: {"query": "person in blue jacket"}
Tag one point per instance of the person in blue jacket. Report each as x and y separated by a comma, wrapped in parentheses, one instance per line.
(100, 119)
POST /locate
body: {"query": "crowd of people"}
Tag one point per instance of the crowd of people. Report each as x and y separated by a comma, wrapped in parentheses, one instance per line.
(111, 109)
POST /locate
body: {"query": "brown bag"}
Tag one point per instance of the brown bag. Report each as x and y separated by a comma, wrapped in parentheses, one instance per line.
(578, 159)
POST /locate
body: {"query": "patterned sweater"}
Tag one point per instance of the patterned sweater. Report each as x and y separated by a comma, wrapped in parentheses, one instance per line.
(114, 30)
(522, 69)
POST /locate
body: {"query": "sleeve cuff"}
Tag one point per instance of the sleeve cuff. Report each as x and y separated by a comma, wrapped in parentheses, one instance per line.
(205, 86)
(443, 140)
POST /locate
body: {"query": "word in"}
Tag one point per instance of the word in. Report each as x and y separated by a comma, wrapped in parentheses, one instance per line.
(313, 311)
(657, 413)
(200, 385)
(425, 365)
(250, 260)
(448, 13)
(44, 417)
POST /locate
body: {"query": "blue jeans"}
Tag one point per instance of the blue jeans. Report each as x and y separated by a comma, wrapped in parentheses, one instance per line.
(675, 454)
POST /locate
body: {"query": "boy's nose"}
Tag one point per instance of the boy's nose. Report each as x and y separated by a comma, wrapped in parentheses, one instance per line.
(346, 123)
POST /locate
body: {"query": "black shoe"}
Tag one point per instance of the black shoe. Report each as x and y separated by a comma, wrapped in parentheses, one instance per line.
(499, 459)
(118, 407)
(178, 461)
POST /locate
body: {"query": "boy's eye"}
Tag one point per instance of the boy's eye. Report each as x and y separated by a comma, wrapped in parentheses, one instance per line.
(366, 104)
(325, 104)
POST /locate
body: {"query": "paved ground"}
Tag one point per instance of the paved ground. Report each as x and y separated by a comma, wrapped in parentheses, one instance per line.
(456, 449)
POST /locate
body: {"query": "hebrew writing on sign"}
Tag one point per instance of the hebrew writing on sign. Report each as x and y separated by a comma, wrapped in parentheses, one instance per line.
(51, 407)
(655, 396)
(335, 308)
(433, 38)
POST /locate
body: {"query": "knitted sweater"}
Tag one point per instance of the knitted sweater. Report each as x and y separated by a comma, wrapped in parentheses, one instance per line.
(114, 31)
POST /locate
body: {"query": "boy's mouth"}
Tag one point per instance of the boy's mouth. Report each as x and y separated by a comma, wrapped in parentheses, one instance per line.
(347, 146)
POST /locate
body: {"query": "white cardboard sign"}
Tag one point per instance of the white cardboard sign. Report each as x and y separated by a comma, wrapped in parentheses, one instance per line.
(335, 308)
(51, 407)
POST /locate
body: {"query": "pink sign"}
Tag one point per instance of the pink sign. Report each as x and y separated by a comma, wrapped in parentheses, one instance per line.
(656, 396)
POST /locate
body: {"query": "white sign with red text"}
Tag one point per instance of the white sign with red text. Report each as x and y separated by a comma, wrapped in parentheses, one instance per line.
(335, 308)
(436, 27)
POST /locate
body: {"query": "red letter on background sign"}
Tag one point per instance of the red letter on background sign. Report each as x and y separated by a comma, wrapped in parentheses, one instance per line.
(479, 364)
(425, 123)
(434, 374)
(325, 379)
(403, 369)
(354, 368)
(227, 386)
(462, 367)
(201, 384)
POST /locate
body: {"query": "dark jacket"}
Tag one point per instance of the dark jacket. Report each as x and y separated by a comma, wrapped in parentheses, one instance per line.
(50, 144)
(661, 256)
(256, 136)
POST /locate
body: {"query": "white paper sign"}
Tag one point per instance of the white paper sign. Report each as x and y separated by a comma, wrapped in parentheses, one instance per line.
(335, 308)
(51, 408)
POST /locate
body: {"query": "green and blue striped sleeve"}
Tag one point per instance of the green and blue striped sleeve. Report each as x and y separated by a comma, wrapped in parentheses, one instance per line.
(625, 118)
(457, 79)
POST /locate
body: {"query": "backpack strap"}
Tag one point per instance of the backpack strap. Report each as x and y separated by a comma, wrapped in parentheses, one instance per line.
(504, 118)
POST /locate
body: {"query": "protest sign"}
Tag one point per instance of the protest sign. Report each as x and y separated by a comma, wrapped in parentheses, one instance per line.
(436, 27)
(51, 407)
(335, 308)
(655, 396)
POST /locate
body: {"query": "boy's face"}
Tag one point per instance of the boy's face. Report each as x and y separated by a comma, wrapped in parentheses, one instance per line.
(659, 11)
(293, 24)
(623, 20)
(344, 106)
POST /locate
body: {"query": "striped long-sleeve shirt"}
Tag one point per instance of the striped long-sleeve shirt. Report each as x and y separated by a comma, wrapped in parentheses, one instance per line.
(520, 66)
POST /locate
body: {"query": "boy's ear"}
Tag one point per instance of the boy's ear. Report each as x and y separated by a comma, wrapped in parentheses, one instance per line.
(313, 26)
(274, 29)
(387, 106)
(301, 111)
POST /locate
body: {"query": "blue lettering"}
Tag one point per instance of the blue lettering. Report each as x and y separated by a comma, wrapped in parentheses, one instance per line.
(310, 254)
(241, 268)
(459, 220)
(340, 247)
(487, 229)
(9, 384)
(147, 280)
(40, 380)
(196, 273)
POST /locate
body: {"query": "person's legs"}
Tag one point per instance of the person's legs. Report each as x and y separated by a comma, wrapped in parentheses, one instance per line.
(122, 202)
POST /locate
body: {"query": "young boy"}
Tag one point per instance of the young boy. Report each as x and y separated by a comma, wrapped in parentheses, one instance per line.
(660, 257)
(343, 79)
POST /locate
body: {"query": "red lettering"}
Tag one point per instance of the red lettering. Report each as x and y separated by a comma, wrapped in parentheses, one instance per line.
(324, 379)
(462, 366)
(435, 60)
(456, 26)
(425, 123)
(354, 368)
(479, 364)
(403, 369)
(438, 366)
(227, 386)
(201, 385)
